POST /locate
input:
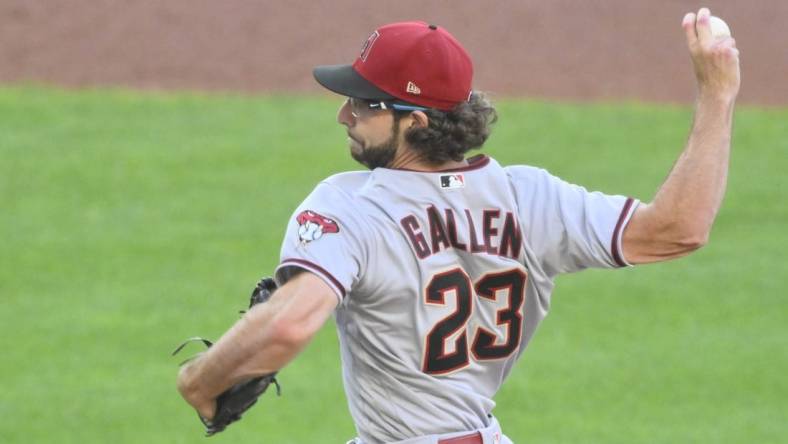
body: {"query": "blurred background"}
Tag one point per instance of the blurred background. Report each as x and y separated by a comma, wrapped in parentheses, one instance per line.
(151, 155)
(611, 49)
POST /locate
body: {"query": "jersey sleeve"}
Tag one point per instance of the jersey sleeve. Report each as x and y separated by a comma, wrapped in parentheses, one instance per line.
(323, 237)
(567, 227)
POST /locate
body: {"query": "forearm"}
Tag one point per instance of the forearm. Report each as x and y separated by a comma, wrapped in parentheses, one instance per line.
(247, 350)
(269, 336)
(679, 219)
(691, 196)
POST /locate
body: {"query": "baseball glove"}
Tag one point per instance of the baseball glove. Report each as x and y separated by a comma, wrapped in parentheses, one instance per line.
(236, 400)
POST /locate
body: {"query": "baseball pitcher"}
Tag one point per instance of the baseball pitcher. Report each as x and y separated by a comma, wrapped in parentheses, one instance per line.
(438, 266)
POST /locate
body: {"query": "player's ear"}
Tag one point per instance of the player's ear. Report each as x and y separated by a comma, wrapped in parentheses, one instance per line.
(419, 119)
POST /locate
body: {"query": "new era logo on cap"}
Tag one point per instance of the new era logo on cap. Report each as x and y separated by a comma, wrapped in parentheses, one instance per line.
(412, 89)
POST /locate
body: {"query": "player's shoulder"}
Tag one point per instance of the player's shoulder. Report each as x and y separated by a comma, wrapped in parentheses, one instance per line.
(347, 182)
(336, 194)
(527, 173)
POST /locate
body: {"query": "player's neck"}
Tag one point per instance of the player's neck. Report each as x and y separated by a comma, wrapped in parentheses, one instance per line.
(408, 159)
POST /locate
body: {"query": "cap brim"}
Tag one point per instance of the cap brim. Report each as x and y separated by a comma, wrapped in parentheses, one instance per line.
(344, 80)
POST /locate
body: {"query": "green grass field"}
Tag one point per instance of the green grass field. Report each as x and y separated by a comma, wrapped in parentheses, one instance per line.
(130, 221)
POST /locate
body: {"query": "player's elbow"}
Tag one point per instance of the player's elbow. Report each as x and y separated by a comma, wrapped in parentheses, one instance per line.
(687, 238)
(291, 333)
(654, 236)
(695, 233)
(679, 232)
(692, 242)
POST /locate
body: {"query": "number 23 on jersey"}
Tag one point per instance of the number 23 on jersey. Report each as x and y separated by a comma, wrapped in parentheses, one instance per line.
(484, 344)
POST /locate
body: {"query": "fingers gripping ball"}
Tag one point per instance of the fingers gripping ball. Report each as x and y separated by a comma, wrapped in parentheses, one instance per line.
(714, 55)
(236, 400)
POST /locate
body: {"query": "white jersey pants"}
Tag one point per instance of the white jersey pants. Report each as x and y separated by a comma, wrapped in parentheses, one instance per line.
(491, 434)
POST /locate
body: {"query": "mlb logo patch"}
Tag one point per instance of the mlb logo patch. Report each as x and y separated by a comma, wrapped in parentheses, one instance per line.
(452, 181)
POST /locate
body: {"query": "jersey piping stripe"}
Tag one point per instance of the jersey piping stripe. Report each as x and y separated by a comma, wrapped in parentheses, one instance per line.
(320, 271)
(474, 163)
(615, 244)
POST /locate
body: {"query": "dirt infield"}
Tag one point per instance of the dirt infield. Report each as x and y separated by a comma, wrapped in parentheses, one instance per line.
(597, 50)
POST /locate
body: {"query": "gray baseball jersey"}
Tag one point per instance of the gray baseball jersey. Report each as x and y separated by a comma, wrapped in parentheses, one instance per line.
(442, 279)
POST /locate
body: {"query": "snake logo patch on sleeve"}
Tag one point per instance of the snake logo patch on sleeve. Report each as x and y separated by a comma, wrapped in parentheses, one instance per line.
(312, 226)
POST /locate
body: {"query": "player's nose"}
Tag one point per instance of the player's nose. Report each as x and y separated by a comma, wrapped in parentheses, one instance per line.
(344, 116)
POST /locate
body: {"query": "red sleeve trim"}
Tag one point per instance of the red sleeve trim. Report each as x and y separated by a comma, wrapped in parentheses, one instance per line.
(618, 256)
(317, 269)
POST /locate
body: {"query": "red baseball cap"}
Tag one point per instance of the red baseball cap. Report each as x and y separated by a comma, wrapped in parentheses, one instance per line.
(410, 62)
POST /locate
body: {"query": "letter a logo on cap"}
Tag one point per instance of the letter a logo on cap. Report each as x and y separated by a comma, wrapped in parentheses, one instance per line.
(368, 46)
(413, 89)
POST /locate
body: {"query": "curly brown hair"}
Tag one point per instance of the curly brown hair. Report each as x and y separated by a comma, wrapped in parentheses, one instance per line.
(451, 134)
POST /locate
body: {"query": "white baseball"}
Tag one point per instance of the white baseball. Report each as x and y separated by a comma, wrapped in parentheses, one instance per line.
(718, 27)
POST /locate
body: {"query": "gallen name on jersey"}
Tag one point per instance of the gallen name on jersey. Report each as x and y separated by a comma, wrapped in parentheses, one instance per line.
(500, 235)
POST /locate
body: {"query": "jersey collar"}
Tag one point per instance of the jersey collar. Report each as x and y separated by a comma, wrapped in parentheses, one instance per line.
(474, 163)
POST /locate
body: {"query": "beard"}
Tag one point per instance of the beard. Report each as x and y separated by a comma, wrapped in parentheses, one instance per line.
(377, 156)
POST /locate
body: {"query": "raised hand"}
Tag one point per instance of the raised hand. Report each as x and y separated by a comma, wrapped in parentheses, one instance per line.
(716, 59)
